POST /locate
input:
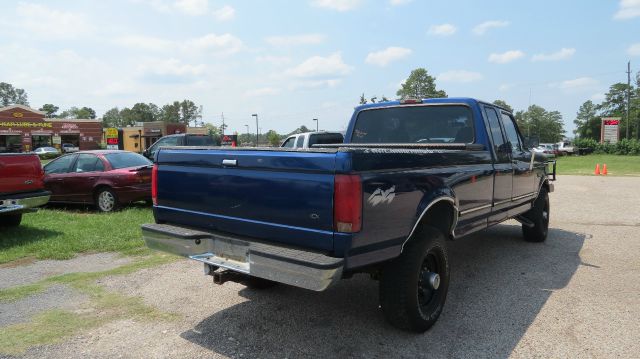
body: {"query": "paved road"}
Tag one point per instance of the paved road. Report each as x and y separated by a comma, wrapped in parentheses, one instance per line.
(576, 295)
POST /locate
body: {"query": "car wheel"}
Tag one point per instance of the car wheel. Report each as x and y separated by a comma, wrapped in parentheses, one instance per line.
(539, 215)
(413, 287)
(106, 200)
(10, 220)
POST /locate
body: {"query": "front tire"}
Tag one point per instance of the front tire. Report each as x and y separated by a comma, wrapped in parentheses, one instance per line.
(413, 287)
(539, 215)
(106, 200)
(10, 220)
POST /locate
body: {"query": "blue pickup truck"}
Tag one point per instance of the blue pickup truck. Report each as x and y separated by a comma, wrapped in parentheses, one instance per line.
(410, 175)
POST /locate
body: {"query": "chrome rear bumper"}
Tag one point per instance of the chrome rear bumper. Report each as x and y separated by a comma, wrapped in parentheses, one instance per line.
(310, 270)
(22, 204)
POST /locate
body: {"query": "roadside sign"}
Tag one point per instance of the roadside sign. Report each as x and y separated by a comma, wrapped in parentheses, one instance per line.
(111, 135)
(610, 130)
(230, 140)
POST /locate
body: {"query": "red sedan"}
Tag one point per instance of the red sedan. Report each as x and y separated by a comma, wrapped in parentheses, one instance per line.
(105, 178)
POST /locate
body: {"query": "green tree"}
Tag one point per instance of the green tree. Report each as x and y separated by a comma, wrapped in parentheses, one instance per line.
(301, 129)
(189, 112)
(49, 110)
(615, 105)
(142, 112)
(587, 121)
(420, 85)
(503, 105)
(536, 121)
(10, 95)
(170, 112)
(363, 100)
(274, 138)
(113, 118)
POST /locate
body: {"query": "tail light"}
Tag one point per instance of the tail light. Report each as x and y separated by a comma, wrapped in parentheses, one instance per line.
(154, 185)
(347, 204)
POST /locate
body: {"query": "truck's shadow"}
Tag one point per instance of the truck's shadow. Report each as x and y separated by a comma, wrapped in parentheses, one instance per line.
(499, 285)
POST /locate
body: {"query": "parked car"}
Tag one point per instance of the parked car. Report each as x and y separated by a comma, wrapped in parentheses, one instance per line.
(21, 187)
(182, 139)
(410, 175)
(549, 149)
(47, 152)
(69, 148)
(308, 139)
(565, 148)
(104, 178)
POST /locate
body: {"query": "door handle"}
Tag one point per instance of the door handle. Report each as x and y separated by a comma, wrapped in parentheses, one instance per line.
(92, 178)
(230, 163)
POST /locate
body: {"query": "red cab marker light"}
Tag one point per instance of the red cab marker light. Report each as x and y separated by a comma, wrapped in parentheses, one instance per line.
(410, 101)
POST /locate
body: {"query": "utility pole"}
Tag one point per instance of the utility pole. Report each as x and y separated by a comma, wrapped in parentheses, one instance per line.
(315, 119)
(248, 136)
(257, 134)
(628, 94)
(223, 125)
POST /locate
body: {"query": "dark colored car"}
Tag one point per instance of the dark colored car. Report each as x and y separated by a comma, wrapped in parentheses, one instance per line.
(181, 139)
(105, 178)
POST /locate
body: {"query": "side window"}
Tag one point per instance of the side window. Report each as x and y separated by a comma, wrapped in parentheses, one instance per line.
(289, 142)
(87, 163)
(300, 141)
(60, 165)
(512, 133)
(496, 134)
(167, 141)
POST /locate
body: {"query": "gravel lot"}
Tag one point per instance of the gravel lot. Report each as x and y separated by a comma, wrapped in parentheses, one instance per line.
(576, 295)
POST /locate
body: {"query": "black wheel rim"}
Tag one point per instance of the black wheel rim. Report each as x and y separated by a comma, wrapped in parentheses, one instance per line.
(428, 296)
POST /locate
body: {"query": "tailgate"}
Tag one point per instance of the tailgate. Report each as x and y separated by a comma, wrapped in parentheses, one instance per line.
(20, 173)
(281, 196)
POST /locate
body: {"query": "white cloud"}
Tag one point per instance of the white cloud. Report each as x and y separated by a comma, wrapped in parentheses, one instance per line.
(506, 57)
(225, 44)
(482, 28)
(505, 87)
(562, 54)
(388, 55)
(171, 67)
(274, 60)
(339, 5)
(627, 9)
(442, 30)
(314, 84)
(461, 76)
(293, 40)
(192, 7)
(50, 23)
(264, 91)
(145, 42)
(634, 49)
(399, 2)
(224, 13)
(318, 66)
(578, 83)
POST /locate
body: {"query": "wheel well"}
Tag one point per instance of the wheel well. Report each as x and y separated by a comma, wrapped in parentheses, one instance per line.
(98, 188)
(441, 216)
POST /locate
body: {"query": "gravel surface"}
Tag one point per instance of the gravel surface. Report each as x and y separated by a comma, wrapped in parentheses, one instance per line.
(576, 295)
(11, 275)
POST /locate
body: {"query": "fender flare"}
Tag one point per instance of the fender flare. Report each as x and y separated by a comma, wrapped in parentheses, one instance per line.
(436, 200)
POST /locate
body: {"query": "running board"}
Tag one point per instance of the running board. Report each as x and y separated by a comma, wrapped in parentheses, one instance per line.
(525, 221)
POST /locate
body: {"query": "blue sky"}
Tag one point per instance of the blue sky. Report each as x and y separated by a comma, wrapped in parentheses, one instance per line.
(292, 61)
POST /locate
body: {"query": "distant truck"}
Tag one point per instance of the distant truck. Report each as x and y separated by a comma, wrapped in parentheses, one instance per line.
(409, 175)
(310, 139)
(21, 186)
(182, 139)
(69, 148)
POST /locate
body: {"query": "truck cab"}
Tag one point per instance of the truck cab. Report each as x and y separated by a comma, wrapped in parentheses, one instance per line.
(182, 139)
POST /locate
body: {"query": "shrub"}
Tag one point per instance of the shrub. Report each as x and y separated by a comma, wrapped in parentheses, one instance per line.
(622, 147)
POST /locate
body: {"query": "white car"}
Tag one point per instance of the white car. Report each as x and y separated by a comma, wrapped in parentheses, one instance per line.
(565, 148)
(46, 152)
(308, 139)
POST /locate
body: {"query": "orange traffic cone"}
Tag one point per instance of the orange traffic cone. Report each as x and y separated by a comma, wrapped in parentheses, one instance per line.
(597, 171)
(604, 169)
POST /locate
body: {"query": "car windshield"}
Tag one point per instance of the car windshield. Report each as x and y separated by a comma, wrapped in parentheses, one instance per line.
(200, 141)
(414, 124)
(126, 159)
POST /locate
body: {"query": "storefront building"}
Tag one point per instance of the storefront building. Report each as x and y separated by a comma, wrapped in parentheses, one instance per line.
(23, 129)
(139, 138)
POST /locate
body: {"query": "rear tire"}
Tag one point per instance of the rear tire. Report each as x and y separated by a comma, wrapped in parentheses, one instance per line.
(539, 215)
(106, 200)
(10, 220)
(413, 287)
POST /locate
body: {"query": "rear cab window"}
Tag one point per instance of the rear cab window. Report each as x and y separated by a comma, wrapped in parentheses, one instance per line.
(415, 124)
(199, 141)
(325, 139)
(126, 159)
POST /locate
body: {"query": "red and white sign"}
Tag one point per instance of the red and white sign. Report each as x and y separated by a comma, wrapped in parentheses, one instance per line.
(610, 130)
